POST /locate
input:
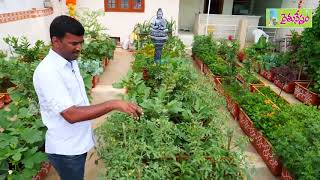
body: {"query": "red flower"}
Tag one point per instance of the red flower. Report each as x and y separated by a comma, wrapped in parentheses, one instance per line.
(230, 37)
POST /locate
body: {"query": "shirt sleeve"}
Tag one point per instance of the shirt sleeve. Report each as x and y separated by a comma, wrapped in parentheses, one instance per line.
(52, 92)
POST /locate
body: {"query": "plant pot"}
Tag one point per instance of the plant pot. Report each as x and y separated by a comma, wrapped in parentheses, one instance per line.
(286, 87)
(206, 70)
(199, 63)
(145, 74)
(241, 56)
(254, 87)
(260, 143)
(218, 85)
(233, 107)
(285, 175)
(43, 172)
(7, 98)
(240, 79)
(267, 74)
(1, 101)
(106, 62)
(305, 95)
(95, 80)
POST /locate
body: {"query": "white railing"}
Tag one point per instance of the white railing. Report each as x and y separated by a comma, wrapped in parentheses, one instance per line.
(222, 30)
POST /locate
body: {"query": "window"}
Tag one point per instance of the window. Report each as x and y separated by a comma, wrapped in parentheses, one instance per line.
(124, 5)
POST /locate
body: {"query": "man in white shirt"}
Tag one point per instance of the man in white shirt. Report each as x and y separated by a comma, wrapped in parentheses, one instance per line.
(64, 105)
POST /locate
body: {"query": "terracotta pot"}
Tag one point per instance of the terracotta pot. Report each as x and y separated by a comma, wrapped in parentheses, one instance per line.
(218, 85)
(267, 74)
(286, 87)
(1, 101)
(145, 74)
(206, 69)
(233, 107)
(7, 98)
(240, 79)
(95, 80)
(305, 95)
(260, 143)
(241, 56)
(199, 63)
(43, 172)
(285, 175)
(106, 62)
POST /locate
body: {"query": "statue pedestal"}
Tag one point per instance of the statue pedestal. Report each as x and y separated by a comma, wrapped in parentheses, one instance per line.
(158, 44)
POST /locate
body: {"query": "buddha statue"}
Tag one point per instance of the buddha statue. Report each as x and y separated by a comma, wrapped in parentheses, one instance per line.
(159, 27)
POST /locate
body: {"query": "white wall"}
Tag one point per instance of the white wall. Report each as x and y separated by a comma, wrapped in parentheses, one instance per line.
(187, 12)
(121, 24)
(7, 6)
(33, 28)
(227, 7)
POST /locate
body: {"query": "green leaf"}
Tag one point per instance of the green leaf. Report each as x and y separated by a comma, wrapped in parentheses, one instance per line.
(31, 135)
(16, 156)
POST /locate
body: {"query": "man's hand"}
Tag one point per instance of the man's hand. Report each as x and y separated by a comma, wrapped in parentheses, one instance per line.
(129, 108)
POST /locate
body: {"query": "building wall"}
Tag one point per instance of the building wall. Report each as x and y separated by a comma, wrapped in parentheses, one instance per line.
(188, 10)
(19, 5)
(121, 24)
(33, 28)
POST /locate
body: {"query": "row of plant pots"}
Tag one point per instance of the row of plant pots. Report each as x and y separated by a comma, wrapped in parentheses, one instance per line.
(298, 88)
(260, 143)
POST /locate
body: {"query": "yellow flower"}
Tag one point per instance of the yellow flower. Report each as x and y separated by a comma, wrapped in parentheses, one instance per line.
(267, 101)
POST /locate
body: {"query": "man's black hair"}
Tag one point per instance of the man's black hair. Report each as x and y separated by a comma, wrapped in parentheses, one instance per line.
(65, 24)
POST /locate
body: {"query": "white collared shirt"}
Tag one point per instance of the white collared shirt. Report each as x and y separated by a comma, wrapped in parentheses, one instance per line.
(59, 85)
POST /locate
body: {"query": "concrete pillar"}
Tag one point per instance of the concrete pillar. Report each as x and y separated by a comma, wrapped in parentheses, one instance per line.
(242, 36)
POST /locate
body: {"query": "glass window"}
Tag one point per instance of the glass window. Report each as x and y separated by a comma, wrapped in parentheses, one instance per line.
(124, 3)
(111, 3)
(137, 4)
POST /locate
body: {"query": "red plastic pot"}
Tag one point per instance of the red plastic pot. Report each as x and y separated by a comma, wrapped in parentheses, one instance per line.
(233, 107)
(43, 172)
(260, 143)
(305, 95)
(267, 74)
(285, 175)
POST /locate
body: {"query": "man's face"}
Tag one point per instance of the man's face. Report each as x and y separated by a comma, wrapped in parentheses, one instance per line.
(69, 46)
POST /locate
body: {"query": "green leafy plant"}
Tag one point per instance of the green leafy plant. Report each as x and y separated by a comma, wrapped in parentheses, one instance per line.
(296, 140)
(180, 135)
(309, 53)
(25, 52)
(91, 67)
(22, 132)
(90, 21)
(98, 49)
